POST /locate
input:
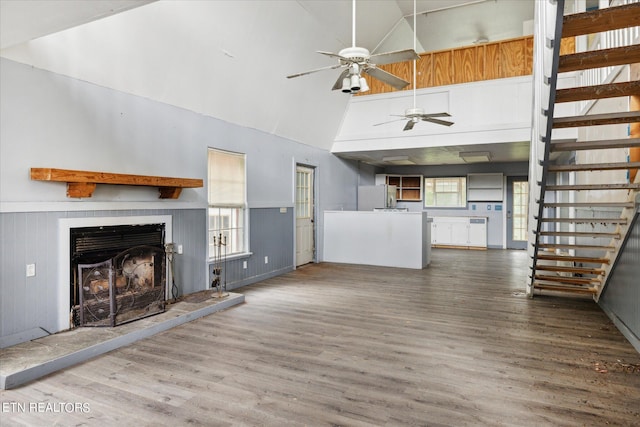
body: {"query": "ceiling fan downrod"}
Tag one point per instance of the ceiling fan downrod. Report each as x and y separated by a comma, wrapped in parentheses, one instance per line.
(353, 26)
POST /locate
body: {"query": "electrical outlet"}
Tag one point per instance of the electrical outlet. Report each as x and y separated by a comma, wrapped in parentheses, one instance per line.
(31, 270)
(180, 249)
(266, 260)
(244, 264)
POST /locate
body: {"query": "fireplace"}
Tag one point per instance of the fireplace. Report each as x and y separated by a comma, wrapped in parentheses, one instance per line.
(117, 273)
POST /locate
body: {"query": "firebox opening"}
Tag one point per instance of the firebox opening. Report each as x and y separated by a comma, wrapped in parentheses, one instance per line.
(117, 273)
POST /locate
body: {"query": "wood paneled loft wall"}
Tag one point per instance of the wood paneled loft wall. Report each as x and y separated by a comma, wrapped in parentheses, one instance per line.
(488, 61)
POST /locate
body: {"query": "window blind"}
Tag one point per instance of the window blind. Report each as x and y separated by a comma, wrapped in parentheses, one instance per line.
(226, 178)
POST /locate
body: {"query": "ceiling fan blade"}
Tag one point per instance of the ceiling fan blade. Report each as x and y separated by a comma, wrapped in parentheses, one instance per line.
(429, 115)
(437, 121)
(333, 55)
(409, 125)
(395, 56)
(338, 84)
(387, 78)
(332, 67)
(390, 121)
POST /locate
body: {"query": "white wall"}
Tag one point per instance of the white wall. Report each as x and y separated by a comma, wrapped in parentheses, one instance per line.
(493, 111)
(224, 59)
(48, 120)
(613, 155)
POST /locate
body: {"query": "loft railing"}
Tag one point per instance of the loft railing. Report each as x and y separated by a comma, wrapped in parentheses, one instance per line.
(487, 61)
(467, 64)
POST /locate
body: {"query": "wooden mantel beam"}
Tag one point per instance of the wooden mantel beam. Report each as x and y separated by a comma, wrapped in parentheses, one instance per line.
(83, 183)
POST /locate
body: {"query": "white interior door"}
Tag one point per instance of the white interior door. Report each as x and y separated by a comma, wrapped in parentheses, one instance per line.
(305, 243)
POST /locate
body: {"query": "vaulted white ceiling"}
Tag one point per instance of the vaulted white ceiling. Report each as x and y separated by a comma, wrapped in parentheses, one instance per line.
(229, 59)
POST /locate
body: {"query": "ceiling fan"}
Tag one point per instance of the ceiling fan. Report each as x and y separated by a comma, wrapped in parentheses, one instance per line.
(356, 60)
(415, 114)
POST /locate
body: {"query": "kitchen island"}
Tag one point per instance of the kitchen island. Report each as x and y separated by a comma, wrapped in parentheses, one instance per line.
(390, 239)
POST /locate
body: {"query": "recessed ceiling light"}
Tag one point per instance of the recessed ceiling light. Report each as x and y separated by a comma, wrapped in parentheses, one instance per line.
(475, 156)
(398, 160)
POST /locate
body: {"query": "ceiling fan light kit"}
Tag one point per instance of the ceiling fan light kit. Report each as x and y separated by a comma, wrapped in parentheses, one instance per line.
(364, 87)
(357, 60)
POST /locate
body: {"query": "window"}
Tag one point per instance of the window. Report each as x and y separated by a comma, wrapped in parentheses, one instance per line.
(445, 192)
(227, 205)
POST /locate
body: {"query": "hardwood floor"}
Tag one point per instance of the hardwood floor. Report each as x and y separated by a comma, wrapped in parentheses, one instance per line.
(328, 344)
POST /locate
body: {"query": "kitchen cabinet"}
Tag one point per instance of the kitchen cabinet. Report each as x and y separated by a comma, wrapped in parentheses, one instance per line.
(461, 232)
(485, 187)
(409, 187)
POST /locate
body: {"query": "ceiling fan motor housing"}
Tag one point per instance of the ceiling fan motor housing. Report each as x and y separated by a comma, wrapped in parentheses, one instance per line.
(413, 112)
(354, 54)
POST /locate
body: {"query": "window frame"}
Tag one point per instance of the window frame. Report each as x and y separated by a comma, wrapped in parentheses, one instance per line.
(518, 216)
(241, 218)
(461, 193)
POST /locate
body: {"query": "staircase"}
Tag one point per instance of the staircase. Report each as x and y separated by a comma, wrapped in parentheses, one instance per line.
(584, 202)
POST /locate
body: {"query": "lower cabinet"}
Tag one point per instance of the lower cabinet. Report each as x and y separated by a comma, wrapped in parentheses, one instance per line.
(467, 232)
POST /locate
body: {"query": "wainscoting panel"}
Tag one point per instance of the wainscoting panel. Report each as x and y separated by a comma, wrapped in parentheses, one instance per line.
(621, 298)
(28, 304)
(271, 236)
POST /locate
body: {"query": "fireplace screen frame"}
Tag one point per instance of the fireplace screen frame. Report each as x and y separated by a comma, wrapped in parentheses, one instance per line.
(124, 288)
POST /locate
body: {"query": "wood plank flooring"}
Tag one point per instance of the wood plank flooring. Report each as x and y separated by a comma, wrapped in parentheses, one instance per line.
(343, 345)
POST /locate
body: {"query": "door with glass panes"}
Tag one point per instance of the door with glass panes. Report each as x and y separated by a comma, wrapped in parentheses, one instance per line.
(517, 212)
(305, 242)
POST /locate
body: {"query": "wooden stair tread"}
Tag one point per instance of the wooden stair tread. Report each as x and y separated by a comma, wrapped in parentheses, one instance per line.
(593, 166)
(596, 21)
(589, 204)
(580, 234)
(566, 269)
(599, 58)
(554, 270)
(602, 91)
(587, 187)
(560, 288)
(83, 183)
(589, 260)
(569, 279)
(574, 246)
(597, 119)
(587, 220)
(594, 145)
